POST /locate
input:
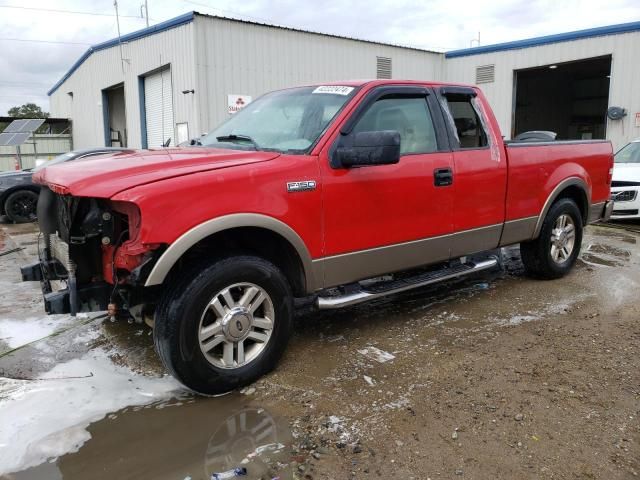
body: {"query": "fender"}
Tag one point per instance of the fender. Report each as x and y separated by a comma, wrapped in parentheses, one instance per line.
(568, 182)
(210, 227)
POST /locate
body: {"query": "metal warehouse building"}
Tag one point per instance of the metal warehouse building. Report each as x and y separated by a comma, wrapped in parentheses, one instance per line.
(172, 81)
(564, 83)
(180, 78)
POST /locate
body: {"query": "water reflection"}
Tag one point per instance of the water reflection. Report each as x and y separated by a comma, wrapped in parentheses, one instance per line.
(193, 437)
(248, 436)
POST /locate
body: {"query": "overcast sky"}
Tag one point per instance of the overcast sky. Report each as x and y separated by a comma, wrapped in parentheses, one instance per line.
(29, 68)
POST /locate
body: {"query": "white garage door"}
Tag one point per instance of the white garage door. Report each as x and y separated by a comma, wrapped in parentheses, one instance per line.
(158, 105)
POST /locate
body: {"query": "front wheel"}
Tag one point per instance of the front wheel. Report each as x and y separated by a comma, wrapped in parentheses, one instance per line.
(20, 206)
(554, 252)
(226, 325)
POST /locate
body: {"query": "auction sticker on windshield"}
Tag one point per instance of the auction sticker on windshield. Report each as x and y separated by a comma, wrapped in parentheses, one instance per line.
(334, 89)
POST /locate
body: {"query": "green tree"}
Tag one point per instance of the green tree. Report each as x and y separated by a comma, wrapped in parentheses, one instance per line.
(28, 110)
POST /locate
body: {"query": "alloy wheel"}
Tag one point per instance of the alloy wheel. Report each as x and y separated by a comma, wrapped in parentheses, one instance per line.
(236, 325)
(563, 238)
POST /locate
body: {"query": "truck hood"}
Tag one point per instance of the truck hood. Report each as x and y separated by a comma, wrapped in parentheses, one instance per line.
(626, 172)
(108, 175)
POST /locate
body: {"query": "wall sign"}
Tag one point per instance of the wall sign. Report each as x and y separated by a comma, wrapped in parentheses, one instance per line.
(236, 103)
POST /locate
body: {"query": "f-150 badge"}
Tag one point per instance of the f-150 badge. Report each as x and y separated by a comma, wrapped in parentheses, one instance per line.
(301, 186)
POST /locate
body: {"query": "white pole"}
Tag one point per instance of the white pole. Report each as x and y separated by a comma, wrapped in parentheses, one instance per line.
(146, 12)
(115, 4)
(475, 40)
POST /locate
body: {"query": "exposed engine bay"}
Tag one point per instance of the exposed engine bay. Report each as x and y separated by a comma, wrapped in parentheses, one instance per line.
(85, 244)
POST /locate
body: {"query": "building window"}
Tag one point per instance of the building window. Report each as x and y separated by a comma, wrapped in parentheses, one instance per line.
(383, 67)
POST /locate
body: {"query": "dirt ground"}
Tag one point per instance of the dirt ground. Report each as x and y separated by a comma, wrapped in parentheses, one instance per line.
(495, 377)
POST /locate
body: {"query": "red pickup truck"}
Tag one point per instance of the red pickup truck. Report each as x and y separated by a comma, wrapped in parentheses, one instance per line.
(310, 192)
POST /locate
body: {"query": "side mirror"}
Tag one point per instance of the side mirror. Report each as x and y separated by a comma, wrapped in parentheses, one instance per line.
(367, 148)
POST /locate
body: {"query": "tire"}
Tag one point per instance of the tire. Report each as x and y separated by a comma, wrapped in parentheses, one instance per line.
(20, 206)
(195, 302)
(538, 255)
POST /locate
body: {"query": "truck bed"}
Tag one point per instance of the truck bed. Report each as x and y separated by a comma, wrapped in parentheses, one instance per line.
(537, 168)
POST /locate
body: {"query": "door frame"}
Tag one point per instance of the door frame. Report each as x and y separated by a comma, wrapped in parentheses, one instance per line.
(439, 124)
(106, 118)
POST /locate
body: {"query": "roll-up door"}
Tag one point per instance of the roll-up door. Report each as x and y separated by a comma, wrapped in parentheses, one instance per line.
(158, 105)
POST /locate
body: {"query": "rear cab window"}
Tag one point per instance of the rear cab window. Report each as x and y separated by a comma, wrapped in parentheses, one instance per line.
(465, 121)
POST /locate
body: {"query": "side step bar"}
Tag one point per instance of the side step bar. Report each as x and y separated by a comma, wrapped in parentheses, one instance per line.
(397, 286)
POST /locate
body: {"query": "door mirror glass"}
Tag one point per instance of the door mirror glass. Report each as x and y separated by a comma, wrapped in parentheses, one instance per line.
(368, 148)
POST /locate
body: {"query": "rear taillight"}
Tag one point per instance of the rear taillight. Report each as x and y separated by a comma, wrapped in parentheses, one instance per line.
(610, 176)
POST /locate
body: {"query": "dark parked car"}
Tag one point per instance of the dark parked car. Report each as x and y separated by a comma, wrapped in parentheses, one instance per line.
(19, 195)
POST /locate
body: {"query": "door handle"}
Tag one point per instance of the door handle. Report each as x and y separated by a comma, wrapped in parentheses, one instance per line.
(442, 177)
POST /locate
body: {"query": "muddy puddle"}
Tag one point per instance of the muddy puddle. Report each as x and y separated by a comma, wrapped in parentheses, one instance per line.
(93, 401)
(178, 439)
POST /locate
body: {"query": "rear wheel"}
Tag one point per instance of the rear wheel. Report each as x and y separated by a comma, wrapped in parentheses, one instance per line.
(224, 326)
(554, 252)
(20, 206)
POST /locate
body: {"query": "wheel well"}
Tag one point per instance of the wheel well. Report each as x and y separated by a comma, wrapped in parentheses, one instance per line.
(257, 241)
(579, 196)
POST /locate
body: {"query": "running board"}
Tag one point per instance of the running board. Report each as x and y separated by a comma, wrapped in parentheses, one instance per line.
(397, 286)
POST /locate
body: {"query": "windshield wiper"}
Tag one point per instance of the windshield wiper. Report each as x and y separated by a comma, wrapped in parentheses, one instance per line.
(233, 136)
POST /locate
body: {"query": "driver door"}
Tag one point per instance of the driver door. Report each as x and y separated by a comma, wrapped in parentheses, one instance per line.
(384, 218)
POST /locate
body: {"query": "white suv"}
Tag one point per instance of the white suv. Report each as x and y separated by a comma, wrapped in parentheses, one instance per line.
(626, 182)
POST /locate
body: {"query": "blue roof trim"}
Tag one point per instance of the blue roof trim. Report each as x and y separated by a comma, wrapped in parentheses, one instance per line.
(145, 32)
(560, 37)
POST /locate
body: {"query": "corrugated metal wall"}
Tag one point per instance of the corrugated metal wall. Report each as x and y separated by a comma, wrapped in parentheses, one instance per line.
(625, 76)
(218, 57)
(232, 58)
(103, 69)
(47, 147)
(249, 59)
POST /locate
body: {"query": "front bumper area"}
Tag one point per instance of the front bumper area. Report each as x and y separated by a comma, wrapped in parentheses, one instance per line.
(88, 298)
(626, 202)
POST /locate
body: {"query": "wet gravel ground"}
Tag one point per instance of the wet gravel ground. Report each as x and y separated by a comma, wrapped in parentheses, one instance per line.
(497, 377)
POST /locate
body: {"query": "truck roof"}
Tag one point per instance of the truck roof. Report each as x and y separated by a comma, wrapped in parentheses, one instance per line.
(376, 82)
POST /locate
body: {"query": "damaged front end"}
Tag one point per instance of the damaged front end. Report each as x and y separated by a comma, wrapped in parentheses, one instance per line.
(88, 248)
